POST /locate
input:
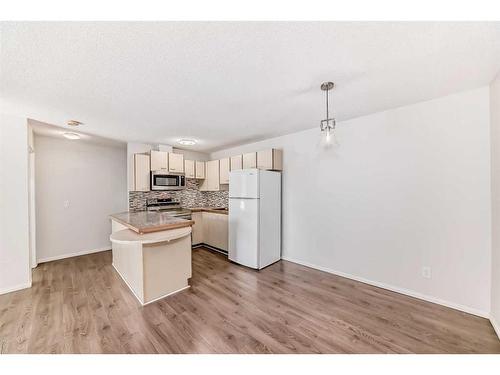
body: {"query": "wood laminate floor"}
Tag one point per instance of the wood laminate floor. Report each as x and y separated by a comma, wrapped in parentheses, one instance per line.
(80, 305)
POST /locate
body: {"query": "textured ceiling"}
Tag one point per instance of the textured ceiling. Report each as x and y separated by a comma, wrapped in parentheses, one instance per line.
(227, 83)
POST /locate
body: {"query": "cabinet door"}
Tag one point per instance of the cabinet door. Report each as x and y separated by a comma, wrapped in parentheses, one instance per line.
(224, 171)
(250, 160)
(211, 181)
(159, 160)
(236, 162)
(200, 169)
(189, 168)
(175, 163)
(213, 175)
(265, 159)
(216, 230)
(197, 228)
(141, 172)
(270, 159)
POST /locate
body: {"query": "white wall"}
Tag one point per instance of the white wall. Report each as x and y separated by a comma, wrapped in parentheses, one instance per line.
(15, 271)
(495, 202)
(403, 189)
(192, 155)
(92, 177)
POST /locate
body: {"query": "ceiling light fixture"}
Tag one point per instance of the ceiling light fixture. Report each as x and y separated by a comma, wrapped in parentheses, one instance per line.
(328, 124)
(71, 136)
(186, 142)
(74, 123)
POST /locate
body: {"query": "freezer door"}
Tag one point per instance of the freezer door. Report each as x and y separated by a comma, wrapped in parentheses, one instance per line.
(244, 183)
(244, 231)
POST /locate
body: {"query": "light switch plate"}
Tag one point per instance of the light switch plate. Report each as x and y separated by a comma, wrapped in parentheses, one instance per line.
(426, 272)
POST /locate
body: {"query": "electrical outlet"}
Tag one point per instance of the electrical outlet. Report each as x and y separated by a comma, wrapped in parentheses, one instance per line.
(66, 204)
(426, 272)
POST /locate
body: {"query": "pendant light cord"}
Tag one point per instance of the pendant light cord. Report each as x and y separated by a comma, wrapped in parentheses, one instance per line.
(327, 104)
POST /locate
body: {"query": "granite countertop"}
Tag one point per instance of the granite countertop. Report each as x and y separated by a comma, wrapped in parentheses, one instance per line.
(216, 210)
(149, 221)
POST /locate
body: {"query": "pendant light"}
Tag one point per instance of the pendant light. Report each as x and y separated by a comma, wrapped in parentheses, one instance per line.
(328, 124)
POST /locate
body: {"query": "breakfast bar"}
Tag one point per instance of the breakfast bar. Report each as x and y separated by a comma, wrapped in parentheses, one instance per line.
(151, 253)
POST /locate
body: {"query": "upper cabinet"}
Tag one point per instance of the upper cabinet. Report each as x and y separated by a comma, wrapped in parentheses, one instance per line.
(236, 162)
(141, 172)
(224, 171)
(159, 160)
(189, 169)
(200, 169)
(250, 160)
(214, 173)
(212, 176)
(175, 163)
(271, 159)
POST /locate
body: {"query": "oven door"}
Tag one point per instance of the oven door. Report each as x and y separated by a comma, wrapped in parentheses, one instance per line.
(166, 182)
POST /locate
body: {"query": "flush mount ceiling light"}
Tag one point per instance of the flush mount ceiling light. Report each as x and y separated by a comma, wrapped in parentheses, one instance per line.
(74, 123)
(328, 124)
(71, 136)
(186, 142)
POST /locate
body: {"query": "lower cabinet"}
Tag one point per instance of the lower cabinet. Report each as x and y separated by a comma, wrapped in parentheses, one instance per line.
(197, 228)
(215, 230)
(210, 229)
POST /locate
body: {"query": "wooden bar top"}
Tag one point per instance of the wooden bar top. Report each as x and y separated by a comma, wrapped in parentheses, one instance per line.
(150, 221)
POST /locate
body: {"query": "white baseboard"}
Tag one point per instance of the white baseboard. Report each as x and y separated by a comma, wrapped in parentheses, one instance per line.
(495, 325)
(70, 255)
(166, 295)
(14, 288)
(411, 293)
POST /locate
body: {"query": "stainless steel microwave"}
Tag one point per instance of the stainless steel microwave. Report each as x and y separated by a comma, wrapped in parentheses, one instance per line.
(162, 181)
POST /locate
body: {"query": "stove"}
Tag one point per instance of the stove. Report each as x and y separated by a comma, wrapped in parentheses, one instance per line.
(170, 206)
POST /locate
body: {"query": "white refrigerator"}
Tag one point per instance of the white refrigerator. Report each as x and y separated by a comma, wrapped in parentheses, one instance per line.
(254, 217)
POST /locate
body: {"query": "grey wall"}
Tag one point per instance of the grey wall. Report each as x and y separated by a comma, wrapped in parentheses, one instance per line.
(495, 202)
(92, 178)
(15, 271)
(401, 190)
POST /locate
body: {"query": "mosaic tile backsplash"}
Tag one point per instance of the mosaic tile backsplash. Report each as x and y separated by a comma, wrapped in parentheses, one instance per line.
(191, 196)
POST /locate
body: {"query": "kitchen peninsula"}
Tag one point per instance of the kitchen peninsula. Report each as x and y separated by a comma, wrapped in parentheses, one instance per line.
(151, 253)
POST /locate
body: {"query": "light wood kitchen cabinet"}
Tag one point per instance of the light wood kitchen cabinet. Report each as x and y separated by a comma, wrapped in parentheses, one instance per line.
(215, 230)
(236, 162)
(200, 169)
(271, 159)
(175, 162)
(189, 168)
(141, 172)
(224, 171)
(250, 160)
(159, 160)
(197, 228)
(212, 176)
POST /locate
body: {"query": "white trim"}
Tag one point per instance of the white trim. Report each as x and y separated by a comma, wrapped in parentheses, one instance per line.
(495, 325)
(14, 288)
(411, 293)
(137, 297)
(166, 295)
(77, 254)
(212, 248)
